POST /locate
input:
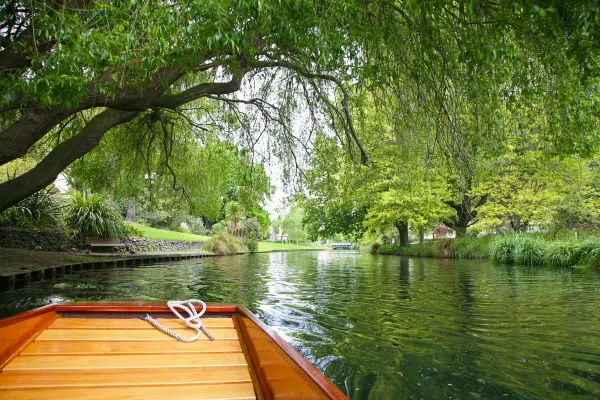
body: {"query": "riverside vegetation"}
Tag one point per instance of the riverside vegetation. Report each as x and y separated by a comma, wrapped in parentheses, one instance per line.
(483, 116)
(523, 249)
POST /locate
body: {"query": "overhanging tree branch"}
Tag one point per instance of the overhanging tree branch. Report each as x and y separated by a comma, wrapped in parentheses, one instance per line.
(345, 96)
(15, 190)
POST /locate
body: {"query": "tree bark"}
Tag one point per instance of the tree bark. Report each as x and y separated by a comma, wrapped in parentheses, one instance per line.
(130, 215)
(403, 231)
(31, 127)
(46, 172)
(421, 236)
(112, 182)
(465, 213)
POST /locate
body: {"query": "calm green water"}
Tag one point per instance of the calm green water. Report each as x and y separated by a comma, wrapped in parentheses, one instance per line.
(384, 327)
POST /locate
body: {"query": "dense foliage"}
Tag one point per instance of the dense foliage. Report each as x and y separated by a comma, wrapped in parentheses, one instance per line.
(42, 209)
(507, 249)
(394, 117)
(92, 216)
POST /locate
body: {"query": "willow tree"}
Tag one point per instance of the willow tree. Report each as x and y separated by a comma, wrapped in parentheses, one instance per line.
(71, 70)
(74, 69)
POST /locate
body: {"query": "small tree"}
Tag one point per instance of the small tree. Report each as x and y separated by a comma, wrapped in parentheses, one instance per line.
(234, 214)
(252, 234)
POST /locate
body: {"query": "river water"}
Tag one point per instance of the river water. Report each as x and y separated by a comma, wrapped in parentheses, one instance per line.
(386, 327)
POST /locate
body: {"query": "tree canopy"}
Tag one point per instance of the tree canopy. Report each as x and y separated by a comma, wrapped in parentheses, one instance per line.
(400, 94)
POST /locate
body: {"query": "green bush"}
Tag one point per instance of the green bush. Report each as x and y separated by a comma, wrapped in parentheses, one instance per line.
(92, 216)
(374, 248)
(443, 247)
(196, 226)
(40, 210)
(180, 227)
(224, 245)
(220, 228)
(252, 233)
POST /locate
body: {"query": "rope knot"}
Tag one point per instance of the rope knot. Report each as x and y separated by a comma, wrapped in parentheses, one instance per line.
(192, 321)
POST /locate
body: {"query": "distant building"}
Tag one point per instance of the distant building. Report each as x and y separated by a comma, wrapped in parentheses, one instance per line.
(443, 232)
(278, 237)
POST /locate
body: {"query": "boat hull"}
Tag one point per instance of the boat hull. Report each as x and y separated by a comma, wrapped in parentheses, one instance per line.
(106, 350)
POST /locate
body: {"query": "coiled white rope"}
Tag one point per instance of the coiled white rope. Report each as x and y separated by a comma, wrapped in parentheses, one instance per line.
(193, 321)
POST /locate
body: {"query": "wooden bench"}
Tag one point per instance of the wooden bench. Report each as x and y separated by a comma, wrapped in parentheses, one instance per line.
(104, 242)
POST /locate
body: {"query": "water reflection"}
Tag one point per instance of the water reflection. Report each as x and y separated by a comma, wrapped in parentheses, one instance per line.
(387, 327)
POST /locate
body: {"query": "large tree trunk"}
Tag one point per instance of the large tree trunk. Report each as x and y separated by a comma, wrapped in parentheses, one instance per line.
(403, 231)
(421, 236)
(466, 211)
(130, 213)
(46, 172)
(31, 127)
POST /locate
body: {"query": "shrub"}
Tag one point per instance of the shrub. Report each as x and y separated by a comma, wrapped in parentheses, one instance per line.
(158, 219)
(443, 247)
(252, 233)
(220, 228)
(224, 245)
(180, 227)
(196, 226)
(40, 210)
(92, 216)
(374, 248)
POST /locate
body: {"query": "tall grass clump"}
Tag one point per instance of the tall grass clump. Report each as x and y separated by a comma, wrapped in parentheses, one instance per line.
(93, 216)
(443, 247)
(528, 250)
(502, 249)
(225, 245)
(592, 258)
(572, 252)
(471, 247)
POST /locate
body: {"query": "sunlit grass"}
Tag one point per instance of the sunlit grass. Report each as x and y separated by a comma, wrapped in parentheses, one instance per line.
(161, 234)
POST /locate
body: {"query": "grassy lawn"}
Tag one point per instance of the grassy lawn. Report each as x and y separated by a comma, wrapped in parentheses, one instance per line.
(153, 233)
(271, 246)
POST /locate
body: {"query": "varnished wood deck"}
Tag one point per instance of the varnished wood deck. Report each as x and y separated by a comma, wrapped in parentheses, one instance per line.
(99, 358)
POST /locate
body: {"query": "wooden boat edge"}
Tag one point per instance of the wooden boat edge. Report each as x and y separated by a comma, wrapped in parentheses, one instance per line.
(47, 314)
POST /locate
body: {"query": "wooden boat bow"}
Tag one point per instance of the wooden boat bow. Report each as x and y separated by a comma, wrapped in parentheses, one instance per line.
(104, 350)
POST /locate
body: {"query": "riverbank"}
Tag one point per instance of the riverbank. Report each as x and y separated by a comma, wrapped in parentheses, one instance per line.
(20, 267)
(507, 249)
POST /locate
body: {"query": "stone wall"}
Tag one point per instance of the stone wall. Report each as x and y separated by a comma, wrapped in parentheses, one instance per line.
(58, 240)
(143, 244)
(47, 240)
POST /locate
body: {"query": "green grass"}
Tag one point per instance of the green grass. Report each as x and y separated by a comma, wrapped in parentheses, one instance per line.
(523, 249)
(272, 246)
(153, 233)
(161, 234)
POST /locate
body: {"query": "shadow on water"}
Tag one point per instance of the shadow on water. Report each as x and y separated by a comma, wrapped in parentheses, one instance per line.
(384, 327)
